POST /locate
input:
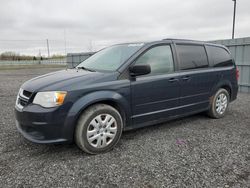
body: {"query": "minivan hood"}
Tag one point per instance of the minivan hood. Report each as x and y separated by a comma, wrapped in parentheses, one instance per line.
(60, 79)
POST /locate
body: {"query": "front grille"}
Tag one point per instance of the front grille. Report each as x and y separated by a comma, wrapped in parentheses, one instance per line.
(23, 98)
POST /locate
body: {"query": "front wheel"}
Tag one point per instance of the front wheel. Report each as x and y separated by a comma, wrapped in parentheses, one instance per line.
(219, 104)
(98, 129)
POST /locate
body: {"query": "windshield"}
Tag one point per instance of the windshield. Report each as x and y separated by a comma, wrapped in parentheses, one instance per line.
(111, 58)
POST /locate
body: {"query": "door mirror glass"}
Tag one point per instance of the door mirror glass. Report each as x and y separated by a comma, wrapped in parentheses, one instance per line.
(138, 70)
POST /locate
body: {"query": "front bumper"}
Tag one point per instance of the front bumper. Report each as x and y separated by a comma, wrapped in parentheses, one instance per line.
(44, 125)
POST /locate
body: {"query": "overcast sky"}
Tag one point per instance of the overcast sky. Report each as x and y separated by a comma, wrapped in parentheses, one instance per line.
(90, 25)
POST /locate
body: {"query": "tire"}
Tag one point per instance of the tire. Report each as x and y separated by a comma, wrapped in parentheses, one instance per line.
(98, 129)
(219, 109)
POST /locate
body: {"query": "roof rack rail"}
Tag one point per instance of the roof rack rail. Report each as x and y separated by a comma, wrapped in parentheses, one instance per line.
(190, 40)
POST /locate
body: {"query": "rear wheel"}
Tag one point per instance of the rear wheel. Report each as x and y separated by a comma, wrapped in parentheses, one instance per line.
(219, 104)
(98, 129)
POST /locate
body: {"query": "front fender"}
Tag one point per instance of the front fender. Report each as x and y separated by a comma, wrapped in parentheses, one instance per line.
(98, 96)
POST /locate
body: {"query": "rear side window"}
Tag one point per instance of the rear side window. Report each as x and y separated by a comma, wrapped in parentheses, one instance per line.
(192, 56)
(219, 56)
(159, 58)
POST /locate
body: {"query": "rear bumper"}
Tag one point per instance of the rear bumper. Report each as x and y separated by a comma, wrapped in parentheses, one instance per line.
(234, 92)
(44, 126)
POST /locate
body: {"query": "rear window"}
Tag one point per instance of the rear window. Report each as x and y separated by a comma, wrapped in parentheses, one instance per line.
(192, 57)
(219, 56)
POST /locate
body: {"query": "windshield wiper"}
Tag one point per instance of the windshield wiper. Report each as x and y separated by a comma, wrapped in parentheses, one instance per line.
(84, 68)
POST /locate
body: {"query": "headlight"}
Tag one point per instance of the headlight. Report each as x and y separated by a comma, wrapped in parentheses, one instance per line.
(50, 98)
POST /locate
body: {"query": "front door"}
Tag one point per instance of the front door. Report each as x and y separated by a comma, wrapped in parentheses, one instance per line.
(154, 97)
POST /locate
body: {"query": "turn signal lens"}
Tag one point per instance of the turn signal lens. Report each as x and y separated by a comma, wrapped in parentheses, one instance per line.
(59, 96)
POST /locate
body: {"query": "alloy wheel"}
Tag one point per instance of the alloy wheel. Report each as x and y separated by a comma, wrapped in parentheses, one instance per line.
(221, 103)
(101, 130)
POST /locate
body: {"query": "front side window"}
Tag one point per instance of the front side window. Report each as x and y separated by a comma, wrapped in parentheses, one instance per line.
(111, 58)
(192, 56)
(159, 58)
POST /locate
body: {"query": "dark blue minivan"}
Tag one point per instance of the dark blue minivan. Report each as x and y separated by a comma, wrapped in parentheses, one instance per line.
(123, 87)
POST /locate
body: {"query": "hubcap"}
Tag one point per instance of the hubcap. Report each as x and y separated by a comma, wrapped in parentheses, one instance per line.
(221, 103)
(101, 130)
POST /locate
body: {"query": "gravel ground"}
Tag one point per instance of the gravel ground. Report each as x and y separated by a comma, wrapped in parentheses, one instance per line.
(191, 152)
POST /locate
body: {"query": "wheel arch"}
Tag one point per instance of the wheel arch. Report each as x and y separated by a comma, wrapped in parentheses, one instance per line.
(109, 102)
(229, 90)
(225, 85)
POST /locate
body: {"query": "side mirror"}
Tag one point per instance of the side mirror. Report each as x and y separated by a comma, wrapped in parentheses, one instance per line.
(138, 70)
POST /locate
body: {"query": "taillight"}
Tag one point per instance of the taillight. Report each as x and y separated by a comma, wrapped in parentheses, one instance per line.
(237, 73)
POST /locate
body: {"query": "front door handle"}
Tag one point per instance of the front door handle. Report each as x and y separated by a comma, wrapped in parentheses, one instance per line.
(172, 79)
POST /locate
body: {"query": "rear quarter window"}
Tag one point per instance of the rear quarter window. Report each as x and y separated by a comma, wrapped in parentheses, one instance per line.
(192, 56)
(219, 56)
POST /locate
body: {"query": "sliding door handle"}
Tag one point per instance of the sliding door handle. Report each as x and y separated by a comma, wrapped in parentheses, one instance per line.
(186, 78)
(173, 79)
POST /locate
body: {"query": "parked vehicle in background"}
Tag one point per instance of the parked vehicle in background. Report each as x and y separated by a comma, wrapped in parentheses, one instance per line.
(123, 87)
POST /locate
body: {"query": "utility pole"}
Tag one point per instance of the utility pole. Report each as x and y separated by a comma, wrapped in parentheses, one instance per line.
(48, 47)
(234, 18)
(40, 56)
(65, 42)
(90, 46)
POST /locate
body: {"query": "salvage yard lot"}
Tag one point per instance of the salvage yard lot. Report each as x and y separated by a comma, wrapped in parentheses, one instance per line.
(191, 152)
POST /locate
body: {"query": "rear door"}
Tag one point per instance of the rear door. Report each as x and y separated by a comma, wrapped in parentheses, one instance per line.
(155, 96)
(195, 77)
